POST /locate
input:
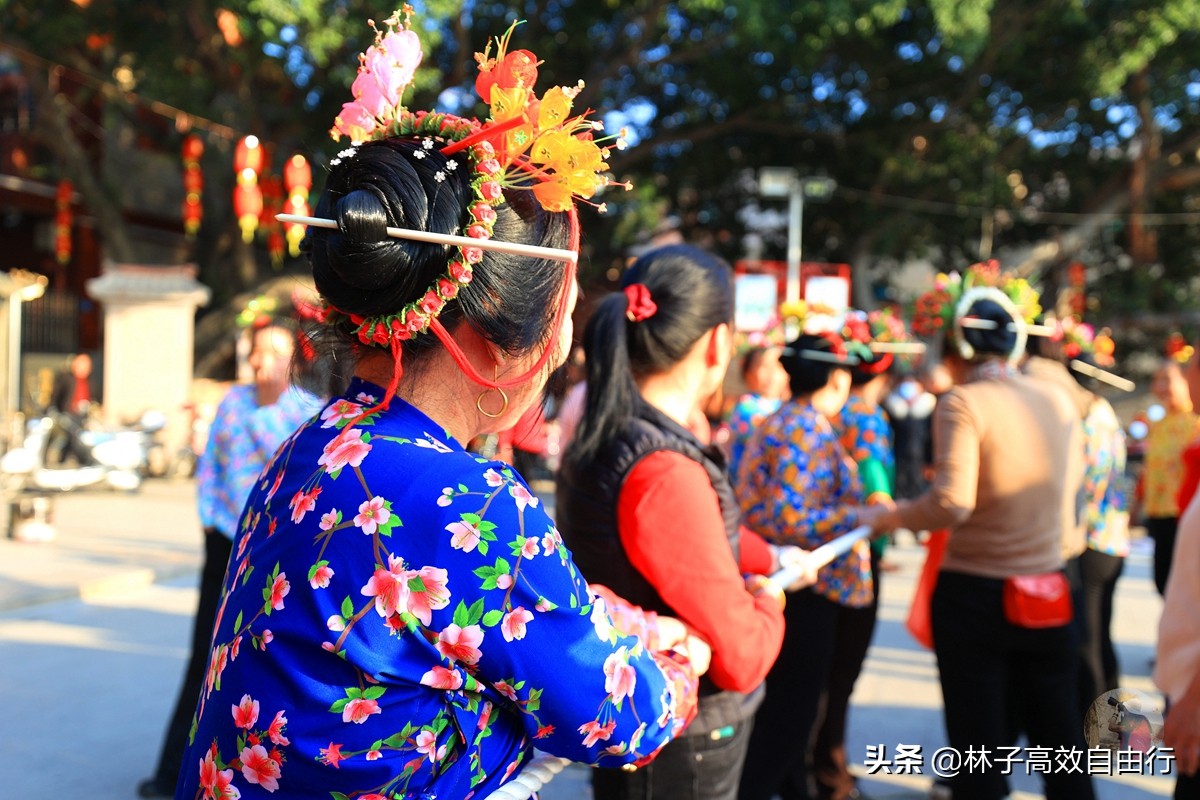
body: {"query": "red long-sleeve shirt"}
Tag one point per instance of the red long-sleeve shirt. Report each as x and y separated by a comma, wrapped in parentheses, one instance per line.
(670, 526)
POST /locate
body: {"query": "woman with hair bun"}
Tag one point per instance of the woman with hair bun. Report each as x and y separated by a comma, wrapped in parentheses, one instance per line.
(400, 617)
(797, 486)
(1008, 462)
(648, 510)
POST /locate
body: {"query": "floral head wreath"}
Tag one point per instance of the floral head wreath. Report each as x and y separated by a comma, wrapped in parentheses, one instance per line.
(941, 310)
(527, 143)
(879, 338)
(1090, 352)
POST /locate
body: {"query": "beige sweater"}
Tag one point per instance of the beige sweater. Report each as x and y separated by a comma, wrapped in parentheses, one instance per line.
(1009, 461)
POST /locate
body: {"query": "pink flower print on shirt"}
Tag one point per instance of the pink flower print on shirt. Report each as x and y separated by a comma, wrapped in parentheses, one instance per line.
(375, 755)
(601, 621)
(372, 514)
(505, 689)
(619, 677)
(332, 755)
(347, 448)
(513, 624)
(336, 623)
(465, 537)
(216, 665)
(275, 731)
(427, 744)
(446, 497)
(523, 496)
(266, 638)
(302, 502)
(461, 644)
(274, 488)
(529, 548)
(359, 709)
(442, 678)
(551, 541)
(234, 648)
(329, 519)
(595, 732)
(216, 783)
(339, 411)
(389, 587)
(494, 479)
(258, 767)
(321, 575)
(245, 714)
(279, 590)
(432, 594)
(504, 580)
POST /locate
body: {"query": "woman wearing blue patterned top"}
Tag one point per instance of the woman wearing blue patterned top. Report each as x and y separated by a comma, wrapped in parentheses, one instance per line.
(400, 618)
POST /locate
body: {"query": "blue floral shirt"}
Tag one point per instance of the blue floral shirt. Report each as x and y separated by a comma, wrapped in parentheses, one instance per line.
(242, 438)
(798, 486)
(401, 619)
(751, 409)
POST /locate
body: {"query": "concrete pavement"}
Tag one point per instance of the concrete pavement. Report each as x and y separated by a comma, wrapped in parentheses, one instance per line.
(112, 545)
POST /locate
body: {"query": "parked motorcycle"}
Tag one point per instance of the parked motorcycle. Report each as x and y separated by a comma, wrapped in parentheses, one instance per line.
(113, 462)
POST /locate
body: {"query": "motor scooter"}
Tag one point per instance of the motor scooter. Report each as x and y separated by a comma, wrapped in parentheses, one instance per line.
(113, 463)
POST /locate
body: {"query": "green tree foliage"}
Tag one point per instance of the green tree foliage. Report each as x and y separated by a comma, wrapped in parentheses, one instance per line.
(1042, 130)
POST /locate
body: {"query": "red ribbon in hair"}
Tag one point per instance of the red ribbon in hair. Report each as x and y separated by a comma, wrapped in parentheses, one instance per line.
(641, 305)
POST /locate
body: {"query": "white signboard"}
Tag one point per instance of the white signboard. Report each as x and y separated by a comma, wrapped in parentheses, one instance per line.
(756, 298)
(831, 291)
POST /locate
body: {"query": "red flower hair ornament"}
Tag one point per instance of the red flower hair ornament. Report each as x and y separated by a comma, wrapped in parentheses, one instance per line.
(641, 305)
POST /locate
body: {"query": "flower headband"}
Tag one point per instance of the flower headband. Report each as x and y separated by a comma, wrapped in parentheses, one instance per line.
(527, 143)
(1080, 340)
(877, 338)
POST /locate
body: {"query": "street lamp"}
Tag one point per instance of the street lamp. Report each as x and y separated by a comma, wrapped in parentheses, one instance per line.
(786, 182)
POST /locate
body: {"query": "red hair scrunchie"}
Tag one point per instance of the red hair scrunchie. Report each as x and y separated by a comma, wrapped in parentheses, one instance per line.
(641, 305)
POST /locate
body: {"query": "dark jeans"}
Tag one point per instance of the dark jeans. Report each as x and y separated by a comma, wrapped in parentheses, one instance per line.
(994, 675)
(696, 766)
(854, 628)
(1187, 787)
(1162, 531)
(217, 549)
(784, 726)
(1100, 572)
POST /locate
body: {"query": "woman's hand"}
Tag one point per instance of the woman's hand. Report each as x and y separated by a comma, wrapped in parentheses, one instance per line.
(674, 634)
(796, 559)
(878, 517)
(1182, 729)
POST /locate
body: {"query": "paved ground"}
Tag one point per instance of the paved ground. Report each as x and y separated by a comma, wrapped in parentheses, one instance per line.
(62, 602)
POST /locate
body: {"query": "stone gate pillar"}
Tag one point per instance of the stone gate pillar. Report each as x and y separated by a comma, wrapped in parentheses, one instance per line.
(149, 334)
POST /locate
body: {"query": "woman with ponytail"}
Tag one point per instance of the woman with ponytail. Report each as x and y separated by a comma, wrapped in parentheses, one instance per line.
(648, 510)
(400, 617)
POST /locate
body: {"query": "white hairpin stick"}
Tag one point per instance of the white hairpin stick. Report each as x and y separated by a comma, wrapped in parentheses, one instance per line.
(822, 355)
(1123, 384)
(897, 347)
(990, 325)
(533, 251)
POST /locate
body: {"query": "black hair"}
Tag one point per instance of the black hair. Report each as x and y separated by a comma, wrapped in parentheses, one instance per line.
(999, 340)
(359, 269)
(693, 292)
(752, 359)
(807, 375)
(1084, 380)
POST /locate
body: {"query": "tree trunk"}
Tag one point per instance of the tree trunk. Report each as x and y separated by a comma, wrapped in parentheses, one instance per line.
(101, 203)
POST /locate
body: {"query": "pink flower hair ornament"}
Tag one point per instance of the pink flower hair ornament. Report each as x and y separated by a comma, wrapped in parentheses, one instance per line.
(526, 143)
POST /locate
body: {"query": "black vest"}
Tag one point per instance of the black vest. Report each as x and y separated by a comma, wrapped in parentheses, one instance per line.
(586, 515)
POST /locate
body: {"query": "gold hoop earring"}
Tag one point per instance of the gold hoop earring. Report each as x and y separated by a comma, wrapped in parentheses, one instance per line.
(503, 407)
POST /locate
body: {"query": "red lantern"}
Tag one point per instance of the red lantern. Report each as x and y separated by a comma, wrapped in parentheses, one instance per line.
(297, 175)
(193, 183)
(248, 160)
(62, 221)
(247, 205)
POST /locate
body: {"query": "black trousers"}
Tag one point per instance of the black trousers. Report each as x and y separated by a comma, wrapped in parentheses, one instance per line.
(785, 725)
(1162, 531)
(700, 765)
(995, 675)
(1187, 787)
(1100, 572)
(853, 629)
(217, 549)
